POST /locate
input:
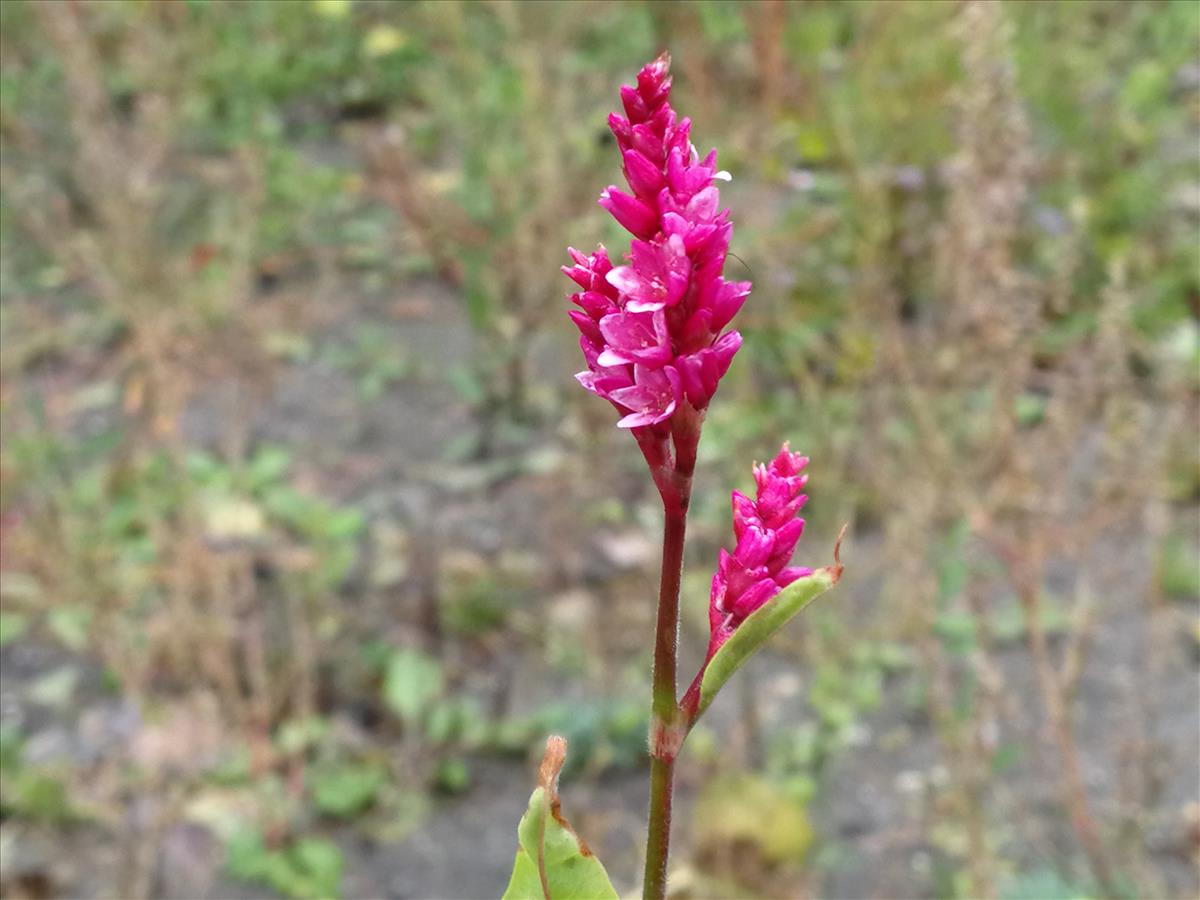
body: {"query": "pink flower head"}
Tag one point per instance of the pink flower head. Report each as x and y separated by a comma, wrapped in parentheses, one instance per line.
(652, 330)
(766, 529)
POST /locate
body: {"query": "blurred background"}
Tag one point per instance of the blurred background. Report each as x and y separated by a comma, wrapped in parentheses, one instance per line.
(309, 537)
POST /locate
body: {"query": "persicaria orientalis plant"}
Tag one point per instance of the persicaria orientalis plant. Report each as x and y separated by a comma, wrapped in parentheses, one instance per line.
(655, 337)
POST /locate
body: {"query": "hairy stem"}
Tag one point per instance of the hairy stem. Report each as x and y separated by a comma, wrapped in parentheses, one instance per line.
(658, 837)
(666, 637)
(663, 719)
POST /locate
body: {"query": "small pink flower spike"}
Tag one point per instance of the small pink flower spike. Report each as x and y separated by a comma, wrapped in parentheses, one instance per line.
(652, 330)
(767, 530)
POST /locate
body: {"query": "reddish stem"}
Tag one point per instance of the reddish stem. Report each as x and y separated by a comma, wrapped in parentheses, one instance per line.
(666, 637)
(666, 729)
(663, 710)
(658, 836)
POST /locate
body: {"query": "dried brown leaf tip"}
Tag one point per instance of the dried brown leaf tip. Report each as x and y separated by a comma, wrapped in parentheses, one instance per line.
(837, 555)
(552, 764)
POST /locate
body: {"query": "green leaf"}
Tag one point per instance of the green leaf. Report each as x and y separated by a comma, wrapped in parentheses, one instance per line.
(345, 790)
(452, 776)
(269, 465)
(552, 862)
(308, 868)
(412, 682)
(317, 866)
(758, 628)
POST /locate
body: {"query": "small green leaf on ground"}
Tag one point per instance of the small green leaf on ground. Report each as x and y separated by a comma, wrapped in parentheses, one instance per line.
(345, 790)
(412, 682)
(452, 776)
(307, 868)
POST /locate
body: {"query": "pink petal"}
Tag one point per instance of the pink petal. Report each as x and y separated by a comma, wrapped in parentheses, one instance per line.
(587, 325)
(621, 130)
(644, 177)
(635, 337)
(633, 214)
(635, 106)
(703, 206)
(645, 141)
(728, 299)
(785, 544)
(652, 398)
(792, 573)
(753, 598)
(754, 547)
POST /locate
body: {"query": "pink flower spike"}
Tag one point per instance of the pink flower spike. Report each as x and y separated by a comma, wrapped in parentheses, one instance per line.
(652, 329)
(757, 568)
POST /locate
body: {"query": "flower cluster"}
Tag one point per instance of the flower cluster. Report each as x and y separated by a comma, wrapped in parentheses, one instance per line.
(766, 530)
(651, 330)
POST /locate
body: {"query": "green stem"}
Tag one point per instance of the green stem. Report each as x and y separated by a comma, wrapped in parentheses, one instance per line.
(664, 716)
